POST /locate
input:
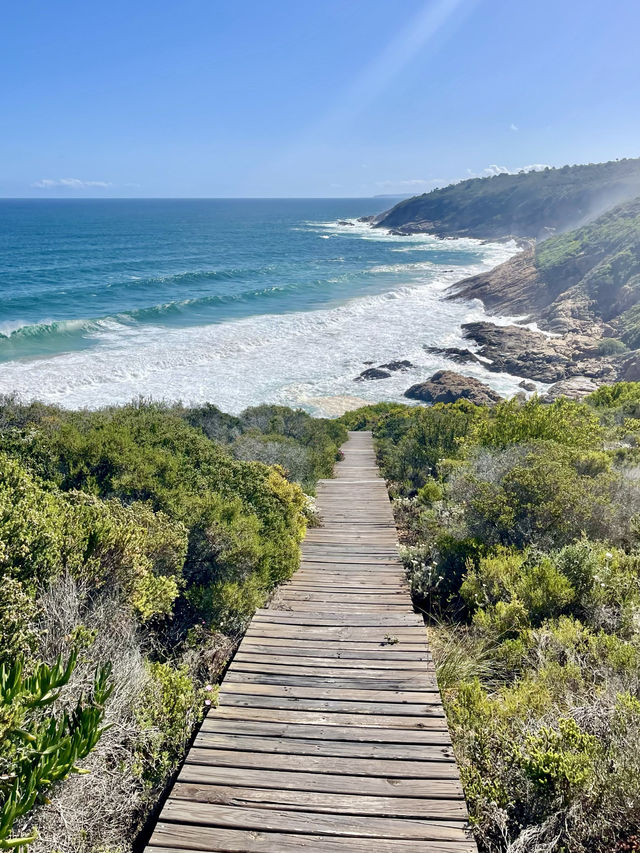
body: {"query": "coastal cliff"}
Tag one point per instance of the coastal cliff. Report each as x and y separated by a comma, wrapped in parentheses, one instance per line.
(533, 204)
(581, 287)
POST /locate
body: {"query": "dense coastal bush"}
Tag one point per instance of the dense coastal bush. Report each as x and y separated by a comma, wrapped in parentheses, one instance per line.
(137, 541)
(522, 532)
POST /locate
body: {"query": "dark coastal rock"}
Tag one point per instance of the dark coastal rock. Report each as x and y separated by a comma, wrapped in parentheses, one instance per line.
(519, 351)
(457, 354)
(397, 365)
(629, 370)
(346, 222)
(514, 287)
(372, 373)
(412, 228)
(528, 386)
(445, 386)
(574, 388)
(534, 355)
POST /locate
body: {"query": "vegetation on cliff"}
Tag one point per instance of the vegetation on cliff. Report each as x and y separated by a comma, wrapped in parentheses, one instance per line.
(135, 543)
(598, 264)
(521, 525)
(584, 284)
(527, 204)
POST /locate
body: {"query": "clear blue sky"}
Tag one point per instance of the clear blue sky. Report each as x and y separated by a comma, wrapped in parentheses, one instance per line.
(308, 97)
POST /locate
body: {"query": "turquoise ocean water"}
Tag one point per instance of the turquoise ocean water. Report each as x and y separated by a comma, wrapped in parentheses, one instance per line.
(231, 301)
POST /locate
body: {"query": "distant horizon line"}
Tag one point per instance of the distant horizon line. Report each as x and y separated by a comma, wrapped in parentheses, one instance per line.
(207, 198)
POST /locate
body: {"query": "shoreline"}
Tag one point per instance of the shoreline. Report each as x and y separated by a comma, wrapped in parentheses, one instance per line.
(310, 355)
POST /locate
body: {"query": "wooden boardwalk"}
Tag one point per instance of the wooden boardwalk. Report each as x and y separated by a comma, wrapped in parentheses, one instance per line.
(330, 734)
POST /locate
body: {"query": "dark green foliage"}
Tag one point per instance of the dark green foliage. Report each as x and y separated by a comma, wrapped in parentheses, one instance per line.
(149, 453)
(610, 346)
(413, 441)
(368, 417)
(539, 493)
(527, 204)
(168, 710)
(215, 424)
(45, 533)
(513, 422)
(305, 447)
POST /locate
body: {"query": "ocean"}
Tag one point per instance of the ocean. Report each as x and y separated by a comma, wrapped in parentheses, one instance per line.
(233, 302)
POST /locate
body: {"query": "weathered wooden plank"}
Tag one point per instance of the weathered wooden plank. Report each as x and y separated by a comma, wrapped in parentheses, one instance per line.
(275, 820)
(346, 645)
(416, 662)
(353, 734)
(333, 719)
(293, 594)
(335, 748)
(324, 764)
(355, 694)
(337, 651)
(248, 700)
(325, 612)
(385, 786)
(175, 838)
(348, 632)
(322, 802)
(354, 681)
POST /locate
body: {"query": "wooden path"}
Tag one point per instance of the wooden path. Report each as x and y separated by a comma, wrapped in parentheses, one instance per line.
(330, 734)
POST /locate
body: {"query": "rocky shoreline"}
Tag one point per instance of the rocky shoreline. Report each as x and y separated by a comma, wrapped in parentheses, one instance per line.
(566, 351)
(577, 299)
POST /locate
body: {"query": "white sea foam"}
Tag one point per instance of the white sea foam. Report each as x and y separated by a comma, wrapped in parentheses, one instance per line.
(303, 358)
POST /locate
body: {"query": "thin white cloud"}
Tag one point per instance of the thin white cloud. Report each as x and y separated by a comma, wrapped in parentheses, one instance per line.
(494, 169)
(514, 127)
(69, 184)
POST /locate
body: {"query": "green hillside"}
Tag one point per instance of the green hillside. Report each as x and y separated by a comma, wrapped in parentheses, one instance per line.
(599, 262)
(527, 204)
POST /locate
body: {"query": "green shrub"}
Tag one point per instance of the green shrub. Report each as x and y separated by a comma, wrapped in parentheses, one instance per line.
(169, 709)
(435, 571)
(44, 533)
(565, 422)
(542, 493)
(430, 493)
(17, 612)
(413, 442)
(560, 762)
(31, 526)
(509, 590)
(610, 346)
(368, 417)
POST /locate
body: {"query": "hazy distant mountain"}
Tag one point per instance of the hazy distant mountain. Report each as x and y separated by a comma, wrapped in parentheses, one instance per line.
(527, 204)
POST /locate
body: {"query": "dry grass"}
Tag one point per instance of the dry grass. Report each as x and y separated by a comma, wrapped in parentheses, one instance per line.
(460, 655)
(95, 812)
